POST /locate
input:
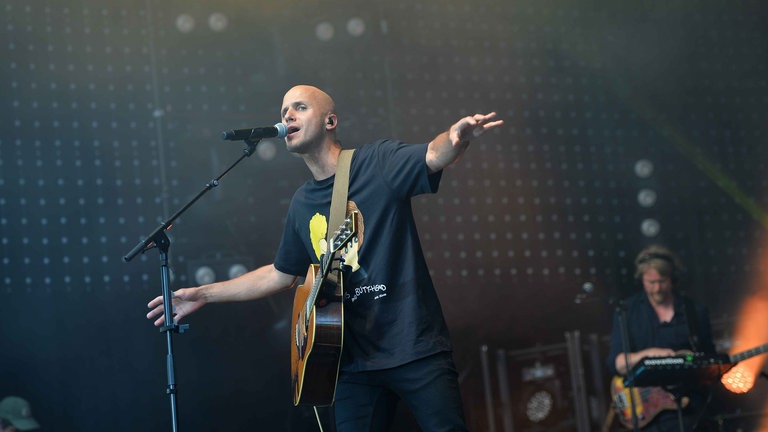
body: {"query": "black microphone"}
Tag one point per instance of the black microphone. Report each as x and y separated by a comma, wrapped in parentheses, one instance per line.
(277, 131)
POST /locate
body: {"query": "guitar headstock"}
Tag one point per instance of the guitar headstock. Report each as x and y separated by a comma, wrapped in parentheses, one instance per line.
(344, 234)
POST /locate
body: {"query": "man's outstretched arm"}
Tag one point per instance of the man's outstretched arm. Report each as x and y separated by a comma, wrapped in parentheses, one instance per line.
(259, 283)
(448, 147)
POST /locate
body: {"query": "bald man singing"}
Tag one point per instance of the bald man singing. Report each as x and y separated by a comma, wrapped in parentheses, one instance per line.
(396, 345)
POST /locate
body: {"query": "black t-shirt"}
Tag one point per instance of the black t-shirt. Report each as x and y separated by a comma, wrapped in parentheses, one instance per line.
(391, 311)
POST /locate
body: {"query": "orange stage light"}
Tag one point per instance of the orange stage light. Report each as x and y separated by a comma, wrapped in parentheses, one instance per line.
(740, 379)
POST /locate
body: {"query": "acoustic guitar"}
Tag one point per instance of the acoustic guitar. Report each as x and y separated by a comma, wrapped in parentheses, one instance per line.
(318, 325)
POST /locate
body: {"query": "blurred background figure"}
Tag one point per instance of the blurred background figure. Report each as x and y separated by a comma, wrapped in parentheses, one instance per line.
(16, 415)
(661, 321)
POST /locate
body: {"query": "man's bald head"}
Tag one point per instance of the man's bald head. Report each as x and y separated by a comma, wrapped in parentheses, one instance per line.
(319, 99)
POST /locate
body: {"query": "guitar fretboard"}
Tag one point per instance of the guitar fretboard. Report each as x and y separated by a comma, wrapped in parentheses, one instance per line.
(762, 349)
(339, 239)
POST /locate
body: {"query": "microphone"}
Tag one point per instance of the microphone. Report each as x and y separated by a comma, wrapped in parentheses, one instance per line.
(277, 131)
(588, 288)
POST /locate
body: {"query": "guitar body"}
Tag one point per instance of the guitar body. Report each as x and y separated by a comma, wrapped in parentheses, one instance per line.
(649, 402)
(316, 346)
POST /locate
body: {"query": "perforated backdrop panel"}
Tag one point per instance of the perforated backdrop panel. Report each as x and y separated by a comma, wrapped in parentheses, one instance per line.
(625, 124)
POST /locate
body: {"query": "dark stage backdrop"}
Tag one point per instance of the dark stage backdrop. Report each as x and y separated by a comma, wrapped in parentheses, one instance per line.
(627, 123)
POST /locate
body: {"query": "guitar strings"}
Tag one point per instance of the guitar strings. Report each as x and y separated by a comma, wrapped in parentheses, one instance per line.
(317, 416)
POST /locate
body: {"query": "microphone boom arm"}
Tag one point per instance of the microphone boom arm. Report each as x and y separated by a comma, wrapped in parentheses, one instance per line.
(158, 238)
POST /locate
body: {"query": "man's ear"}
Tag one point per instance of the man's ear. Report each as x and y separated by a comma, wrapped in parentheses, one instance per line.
(331, 121)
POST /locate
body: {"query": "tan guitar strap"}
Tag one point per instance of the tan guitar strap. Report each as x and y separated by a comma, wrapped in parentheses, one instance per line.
(340, 191)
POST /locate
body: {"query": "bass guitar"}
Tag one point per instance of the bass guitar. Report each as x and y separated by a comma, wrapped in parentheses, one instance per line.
(318, 325)
(649, 402)
(684, 368)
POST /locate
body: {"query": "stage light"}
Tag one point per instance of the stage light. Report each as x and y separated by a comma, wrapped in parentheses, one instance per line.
(739, 379)
(236, 270)
(650, 227)
(185, 23)
(266, 150)
(204, 275)
(356, 27)
(324, 31)
(217, 268)
(643, 168)
(749, 336)
(646, 198)
(218, 22)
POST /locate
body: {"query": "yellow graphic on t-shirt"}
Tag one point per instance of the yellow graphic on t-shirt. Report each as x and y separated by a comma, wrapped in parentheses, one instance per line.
(350, 253)
(318, 229)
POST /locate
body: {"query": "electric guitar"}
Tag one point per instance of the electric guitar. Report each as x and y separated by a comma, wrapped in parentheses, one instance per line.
(650, 401)
(318, 326)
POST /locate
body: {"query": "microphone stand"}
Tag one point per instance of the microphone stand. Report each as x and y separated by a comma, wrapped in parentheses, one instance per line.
(621, 310)
(159, 239)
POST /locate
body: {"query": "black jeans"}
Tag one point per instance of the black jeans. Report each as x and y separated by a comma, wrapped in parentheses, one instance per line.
(366, 401)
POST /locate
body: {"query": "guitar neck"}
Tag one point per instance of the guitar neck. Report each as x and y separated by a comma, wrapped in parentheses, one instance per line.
(749, 353)
(340, 238)
(325, 267)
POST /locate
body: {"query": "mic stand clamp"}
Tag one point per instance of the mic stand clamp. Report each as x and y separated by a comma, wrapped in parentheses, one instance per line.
(159, 239)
